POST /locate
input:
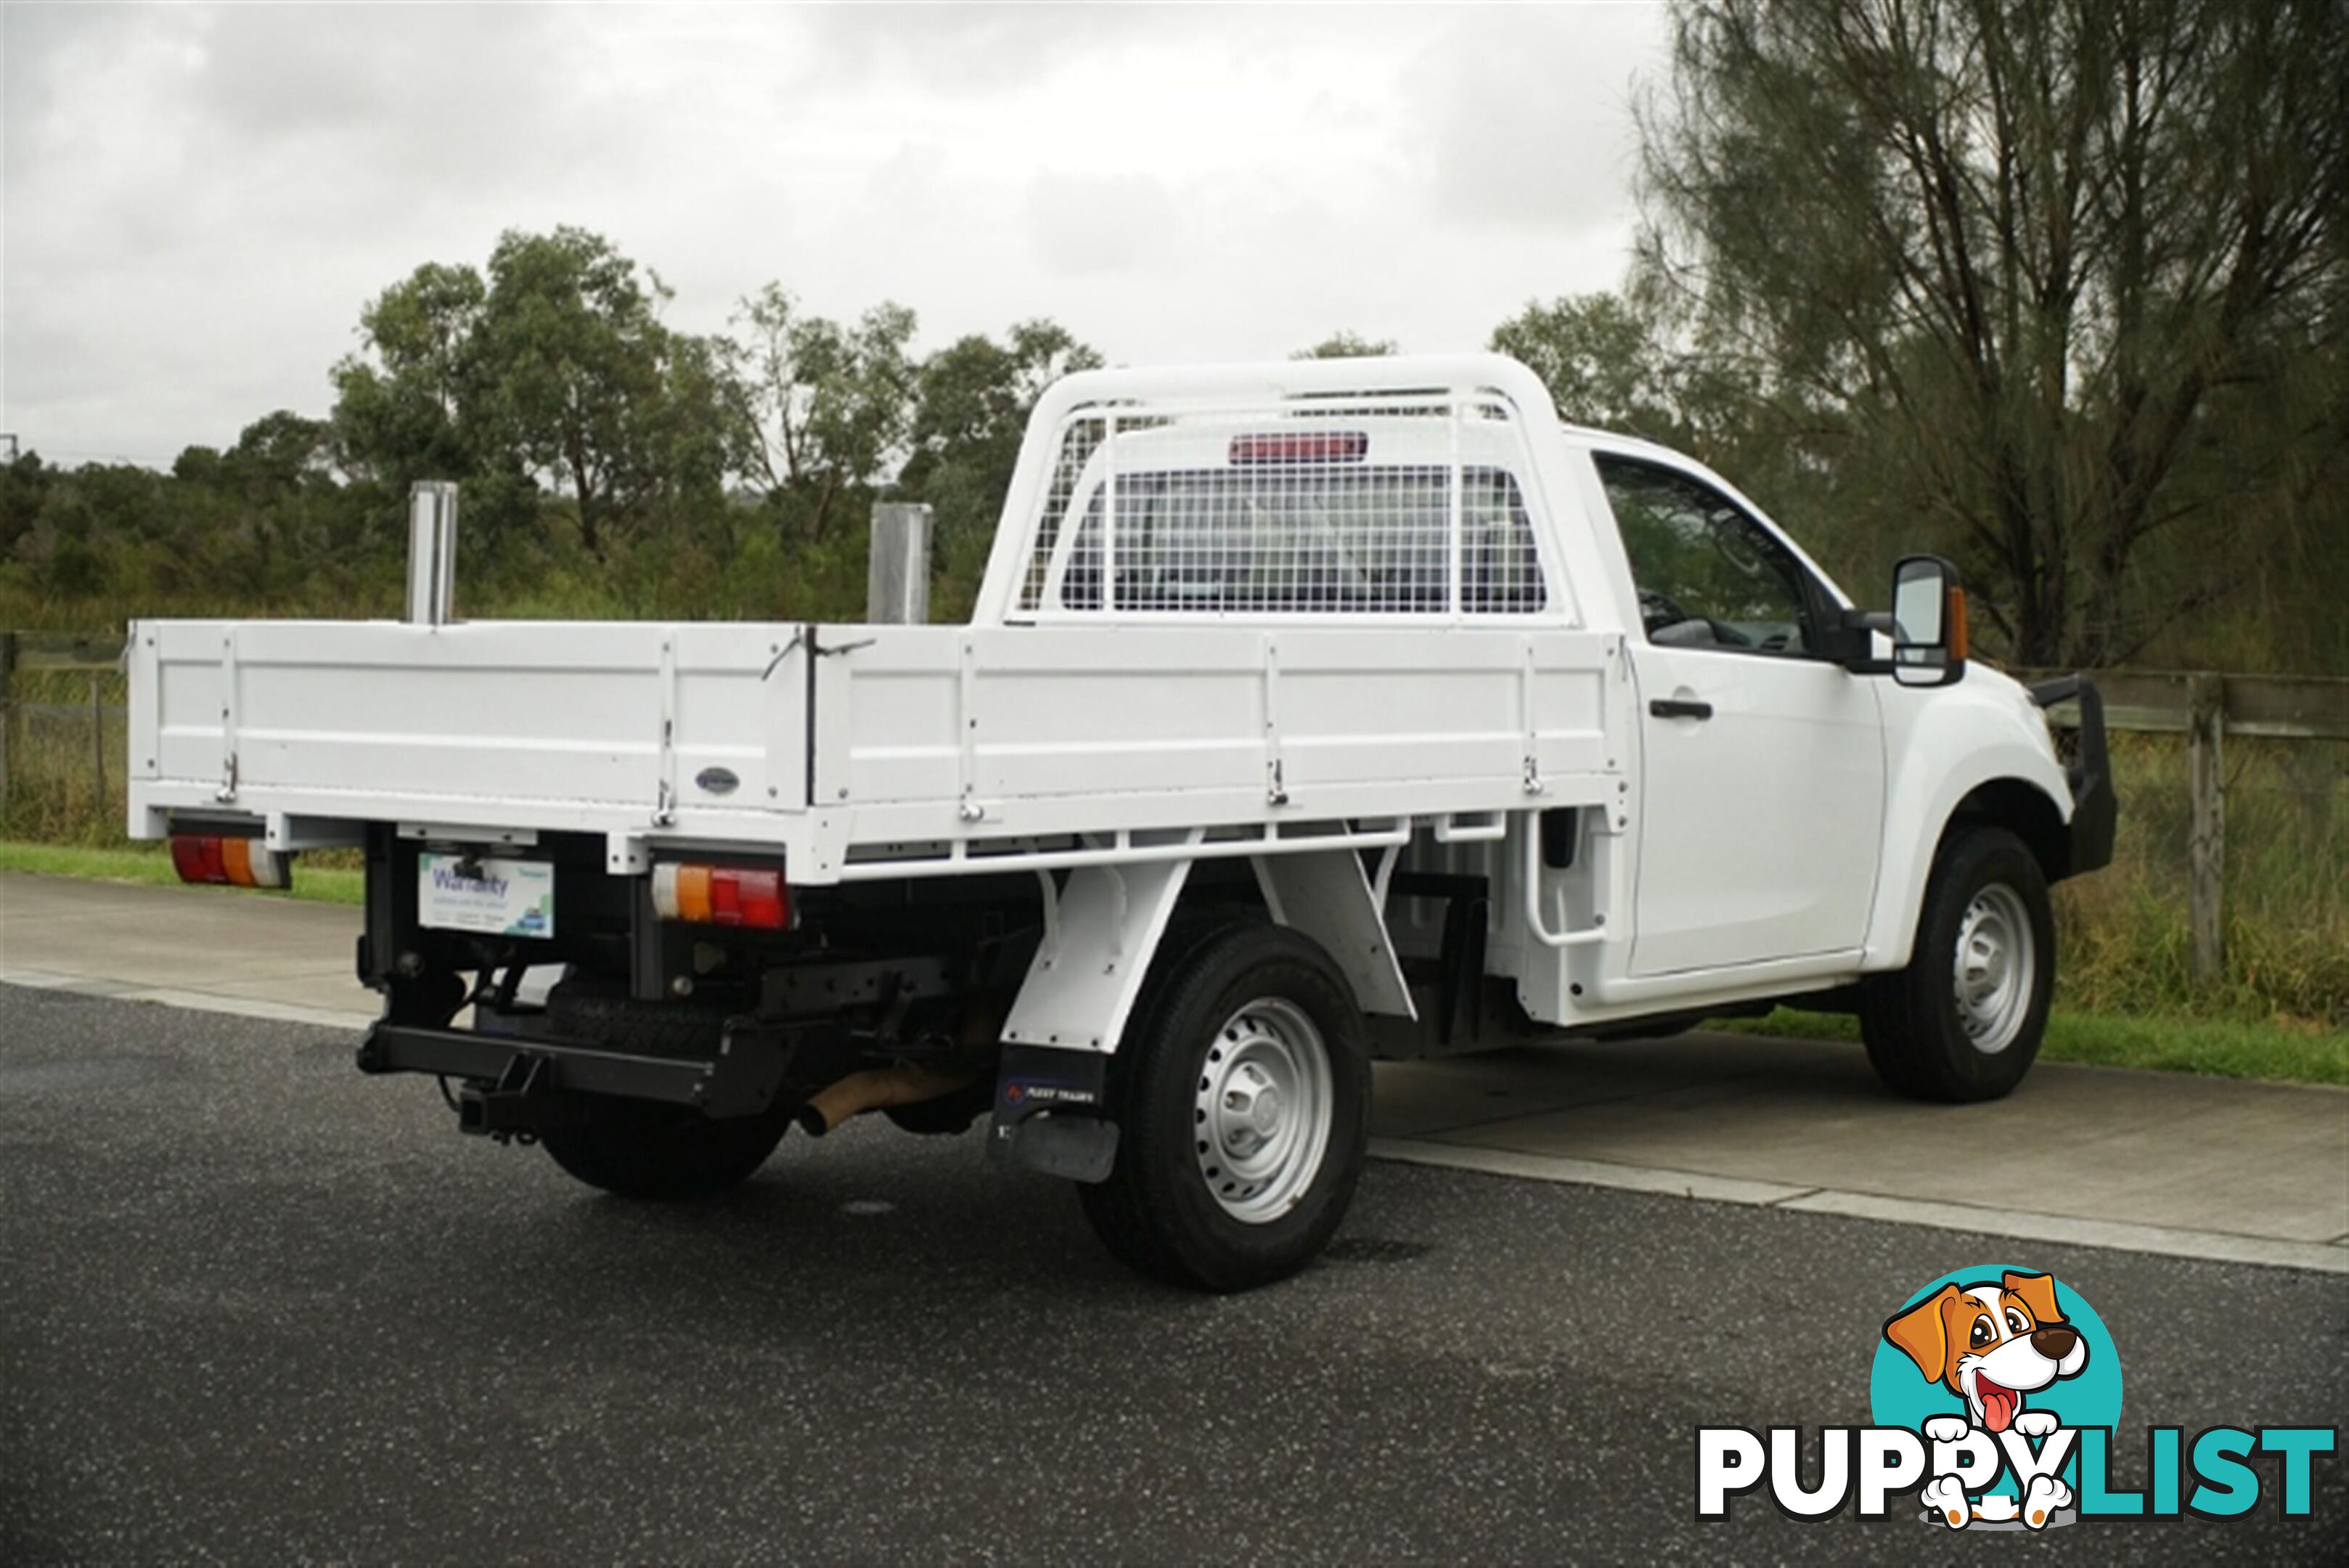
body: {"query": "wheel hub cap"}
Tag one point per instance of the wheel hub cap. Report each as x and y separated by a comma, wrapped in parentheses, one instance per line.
(1996, 967)
(1261, 1122)
(1251, 1113)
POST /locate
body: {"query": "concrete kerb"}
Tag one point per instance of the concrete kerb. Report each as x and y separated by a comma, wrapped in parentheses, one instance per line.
(196, 1001)
(2323, 1257)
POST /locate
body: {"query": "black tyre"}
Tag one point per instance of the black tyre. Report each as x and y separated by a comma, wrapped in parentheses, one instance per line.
(1963, 1021)
(640, 1149)
(637, 1148)
(1242, 1096)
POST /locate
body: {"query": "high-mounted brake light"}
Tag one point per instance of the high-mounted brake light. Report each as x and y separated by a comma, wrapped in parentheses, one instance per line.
(1302, 446)
(721, 896)
(225, 860)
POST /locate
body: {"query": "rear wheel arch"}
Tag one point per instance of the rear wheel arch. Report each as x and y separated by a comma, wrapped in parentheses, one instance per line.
(1166, 1209)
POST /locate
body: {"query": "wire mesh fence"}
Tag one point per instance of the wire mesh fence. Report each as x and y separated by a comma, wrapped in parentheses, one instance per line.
(2285, 912)
(65, 777)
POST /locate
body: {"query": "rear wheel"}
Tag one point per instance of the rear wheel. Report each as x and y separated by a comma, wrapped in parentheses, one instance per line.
(640, 1149)
(1963, 1021)
(1242, 1096)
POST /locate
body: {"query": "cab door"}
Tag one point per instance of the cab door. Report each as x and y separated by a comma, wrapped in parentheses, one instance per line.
(1762, 764)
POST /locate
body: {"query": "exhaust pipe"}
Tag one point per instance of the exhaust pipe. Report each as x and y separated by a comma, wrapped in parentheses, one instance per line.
(873, 1089)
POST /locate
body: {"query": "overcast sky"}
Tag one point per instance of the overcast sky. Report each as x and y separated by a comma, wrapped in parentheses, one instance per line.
(200, 199)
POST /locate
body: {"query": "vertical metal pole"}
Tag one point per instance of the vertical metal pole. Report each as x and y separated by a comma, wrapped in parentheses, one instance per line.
(97, 749)
(897, 576)
(2205, 728)
(431, 551)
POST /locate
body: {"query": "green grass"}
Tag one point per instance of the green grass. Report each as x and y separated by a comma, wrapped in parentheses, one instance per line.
(2278, 1050)
(313, 884)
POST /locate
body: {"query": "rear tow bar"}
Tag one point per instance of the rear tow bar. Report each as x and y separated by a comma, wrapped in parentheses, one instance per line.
(521, 1084)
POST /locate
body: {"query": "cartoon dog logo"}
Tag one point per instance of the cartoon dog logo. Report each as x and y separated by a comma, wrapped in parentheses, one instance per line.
(1991, 1345)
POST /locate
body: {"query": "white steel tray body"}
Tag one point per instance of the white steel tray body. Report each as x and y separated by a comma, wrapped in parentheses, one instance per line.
(843, 744)
(1269, 603)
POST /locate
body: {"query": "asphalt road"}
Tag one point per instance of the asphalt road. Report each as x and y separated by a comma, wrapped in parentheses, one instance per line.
(255, 1308)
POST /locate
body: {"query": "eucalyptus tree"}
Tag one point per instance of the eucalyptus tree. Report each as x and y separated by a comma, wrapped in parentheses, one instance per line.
(1348, 345)
(973, 400)
(821, 411)
(2061, 280)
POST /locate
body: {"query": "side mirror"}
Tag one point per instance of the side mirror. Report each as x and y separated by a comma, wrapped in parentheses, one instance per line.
(1929, 623)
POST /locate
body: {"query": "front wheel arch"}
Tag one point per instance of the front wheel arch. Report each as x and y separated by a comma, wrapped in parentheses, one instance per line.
(1954, 1023)
(2024, 810)
(2008, 794)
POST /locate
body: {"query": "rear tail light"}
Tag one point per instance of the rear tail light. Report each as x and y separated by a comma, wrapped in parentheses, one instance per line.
(722, 896)
(1302, 446)
(227, 861)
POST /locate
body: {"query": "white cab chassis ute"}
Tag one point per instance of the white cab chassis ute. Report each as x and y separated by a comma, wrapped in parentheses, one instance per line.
(1309, 713)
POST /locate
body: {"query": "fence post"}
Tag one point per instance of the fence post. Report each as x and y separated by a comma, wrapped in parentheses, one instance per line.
(7, 708)
(97, 749)
(897, 578)
(2205, 846)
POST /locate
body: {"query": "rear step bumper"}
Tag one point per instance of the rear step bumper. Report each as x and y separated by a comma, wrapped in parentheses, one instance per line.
(519, 1082)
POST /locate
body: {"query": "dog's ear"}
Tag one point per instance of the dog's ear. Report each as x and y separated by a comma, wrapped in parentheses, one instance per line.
(2038, 1293)
(1922, 1333)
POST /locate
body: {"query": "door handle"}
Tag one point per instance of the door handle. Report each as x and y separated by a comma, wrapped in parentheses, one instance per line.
(1679, 708)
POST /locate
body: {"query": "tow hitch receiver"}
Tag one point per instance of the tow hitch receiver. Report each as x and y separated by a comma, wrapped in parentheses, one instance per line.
(523, 1100)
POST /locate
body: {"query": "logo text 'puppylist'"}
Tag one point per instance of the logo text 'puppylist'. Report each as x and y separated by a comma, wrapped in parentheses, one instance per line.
(1996, 1397)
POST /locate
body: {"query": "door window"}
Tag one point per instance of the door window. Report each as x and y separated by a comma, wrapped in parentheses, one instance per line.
(1708, 575)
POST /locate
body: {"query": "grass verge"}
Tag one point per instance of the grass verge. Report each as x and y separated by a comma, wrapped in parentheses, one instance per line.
(2288, 1051)
(312, 884)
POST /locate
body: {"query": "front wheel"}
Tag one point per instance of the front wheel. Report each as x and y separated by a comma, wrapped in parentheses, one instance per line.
(1242, 1096)
(1963, 1021)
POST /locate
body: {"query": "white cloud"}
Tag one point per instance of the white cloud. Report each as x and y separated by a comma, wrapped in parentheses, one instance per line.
(1535, 126)
(1086, 223)
(200, 201)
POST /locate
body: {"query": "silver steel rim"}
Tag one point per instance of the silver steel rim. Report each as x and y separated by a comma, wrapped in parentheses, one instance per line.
(1997, 968)
(1261, 1122)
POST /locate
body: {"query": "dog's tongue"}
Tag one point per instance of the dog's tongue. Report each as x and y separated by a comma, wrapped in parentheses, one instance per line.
(1997, 1404)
